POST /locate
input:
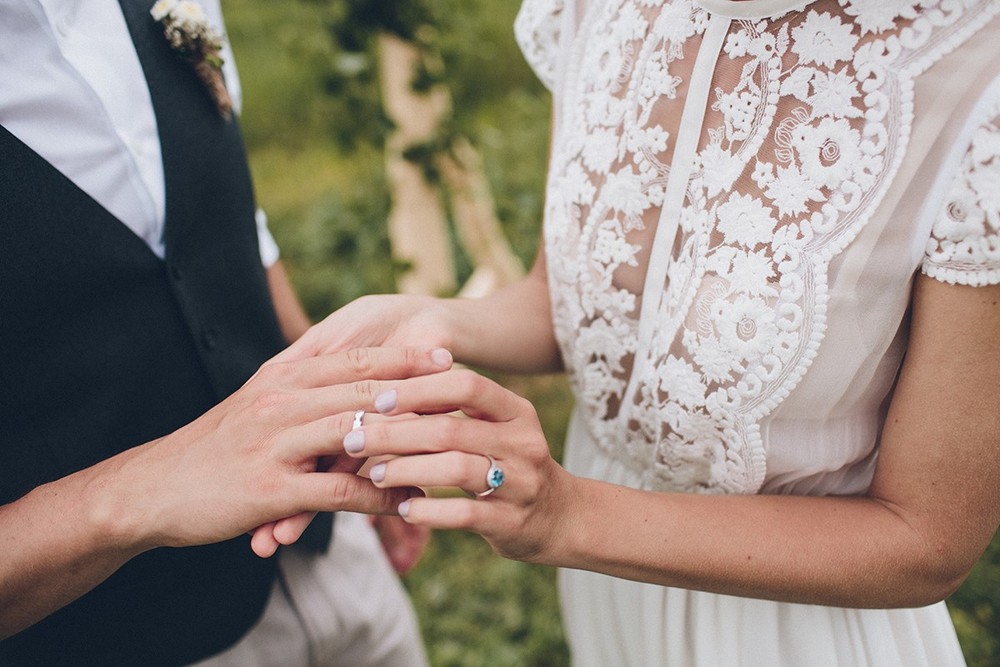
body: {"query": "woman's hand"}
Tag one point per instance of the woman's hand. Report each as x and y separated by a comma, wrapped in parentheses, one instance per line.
(525, 518)
(392, 320)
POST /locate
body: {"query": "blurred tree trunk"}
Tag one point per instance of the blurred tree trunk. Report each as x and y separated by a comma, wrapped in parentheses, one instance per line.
(418, 223)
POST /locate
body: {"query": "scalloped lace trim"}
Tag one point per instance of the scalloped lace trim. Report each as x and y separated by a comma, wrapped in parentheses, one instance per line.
(795, 154)
(964, 247)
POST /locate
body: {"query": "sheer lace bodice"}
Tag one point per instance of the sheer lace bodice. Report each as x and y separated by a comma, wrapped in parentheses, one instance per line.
(738, 197)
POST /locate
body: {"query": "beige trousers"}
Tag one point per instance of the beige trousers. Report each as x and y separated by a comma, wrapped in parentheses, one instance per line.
(342, 608)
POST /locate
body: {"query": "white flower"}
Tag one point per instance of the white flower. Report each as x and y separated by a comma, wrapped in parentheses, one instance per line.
(790, 190)
(189, 12)
(737, 43)
(751, 272)
(879, 15)
(681, 382)
(797, 83)
(611, 249)
(623, 192)
(576, 185)
(762, 46)
(162, 8)
(716, 362)
(963, 218)
(674, 24)
(600, 150)
(744, 220)
(763, 174)
(823, 39)
(652, 138)
(738, 110)
(828, 152)
(746, 327)
(720, 168)
(833, 94)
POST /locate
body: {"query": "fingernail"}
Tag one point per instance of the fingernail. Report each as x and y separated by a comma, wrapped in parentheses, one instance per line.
(354, 441)
(386, 401)
(404, 508)
(441, 357)
(377, 473)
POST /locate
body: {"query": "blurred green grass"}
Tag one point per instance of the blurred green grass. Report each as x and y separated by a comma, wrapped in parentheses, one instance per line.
(327, 202)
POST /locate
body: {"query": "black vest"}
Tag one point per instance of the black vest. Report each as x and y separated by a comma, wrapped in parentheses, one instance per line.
(103, 346)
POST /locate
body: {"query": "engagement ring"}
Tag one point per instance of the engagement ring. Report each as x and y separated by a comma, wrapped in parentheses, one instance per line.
(494, 477)
(359, 417)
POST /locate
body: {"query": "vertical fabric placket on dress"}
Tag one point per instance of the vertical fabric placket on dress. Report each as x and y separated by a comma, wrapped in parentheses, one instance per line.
(685, 153)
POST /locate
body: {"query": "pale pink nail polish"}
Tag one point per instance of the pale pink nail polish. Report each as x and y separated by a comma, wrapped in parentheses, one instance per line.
(386, 401)
(354, 441)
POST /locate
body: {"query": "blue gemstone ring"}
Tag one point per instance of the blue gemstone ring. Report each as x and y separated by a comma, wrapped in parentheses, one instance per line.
(494, 478)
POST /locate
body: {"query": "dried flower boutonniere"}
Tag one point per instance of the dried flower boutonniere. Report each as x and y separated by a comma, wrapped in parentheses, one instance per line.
(190, 34)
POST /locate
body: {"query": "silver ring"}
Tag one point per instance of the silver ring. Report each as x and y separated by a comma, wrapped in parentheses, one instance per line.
(494, 477)
(359, 417)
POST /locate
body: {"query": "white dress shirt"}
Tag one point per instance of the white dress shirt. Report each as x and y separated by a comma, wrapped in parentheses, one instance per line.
(73, 90)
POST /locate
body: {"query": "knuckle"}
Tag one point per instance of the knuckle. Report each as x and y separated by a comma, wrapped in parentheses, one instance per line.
(451, 433)
(268, 403)
(469, 382)
(412, 357)
(360, 361)
(275, 373)
(366, 391)
(340, 492)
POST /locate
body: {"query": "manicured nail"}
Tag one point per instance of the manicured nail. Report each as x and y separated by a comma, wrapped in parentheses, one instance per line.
(377, 473)
(441, 357)
(404, 508)
(354, 441)
(386, 401)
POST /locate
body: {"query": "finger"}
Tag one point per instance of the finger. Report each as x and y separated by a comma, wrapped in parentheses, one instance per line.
(404, 543)
(448, 469)
(263, 542)
(363, 363)
(446, 513)
(324, 437)
(461, 389)
(289, 530)
(335, 492)
(400, 436)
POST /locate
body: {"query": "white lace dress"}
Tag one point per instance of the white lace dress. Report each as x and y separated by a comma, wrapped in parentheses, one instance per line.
(739, 196)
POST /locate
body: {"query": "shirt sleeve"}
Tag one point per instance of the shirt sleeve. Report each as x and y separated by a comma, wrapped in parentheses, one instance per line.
(964, 246)
(538, 30)
(269, 252)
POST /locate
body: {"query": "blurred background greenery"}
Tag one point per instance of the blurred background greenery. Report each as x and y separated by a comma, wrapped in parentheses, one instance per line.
(315, 132)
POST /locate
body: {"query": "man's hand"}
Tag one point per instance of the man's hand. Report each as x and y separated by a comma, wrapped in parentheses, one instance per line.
(253, 458)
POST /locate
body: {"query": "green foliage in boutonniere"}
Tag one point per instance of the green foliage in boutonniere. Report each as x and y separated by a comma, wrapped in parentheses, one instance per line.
(186, 27)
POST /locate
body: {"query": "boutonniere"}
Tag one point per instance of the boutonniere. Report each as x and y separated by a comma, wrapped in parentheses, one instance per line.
(186, 27)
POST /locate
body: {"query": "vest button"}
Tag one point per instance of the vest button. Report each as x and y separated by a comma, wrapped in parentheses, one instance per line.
(209, 339)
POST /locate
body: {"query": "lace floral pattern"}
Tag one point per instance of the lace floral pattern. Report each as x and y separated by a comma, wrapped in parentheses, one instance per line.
(964, 247)
(688, 244)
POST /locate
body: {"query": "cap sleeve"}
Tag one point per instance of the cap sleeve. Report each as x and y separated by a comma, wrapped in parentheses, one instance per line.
(537, 29)
(964, 247)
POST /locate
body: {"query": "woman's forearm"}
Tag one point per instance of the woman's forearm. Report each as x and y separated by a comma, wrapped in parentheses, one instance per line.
(510, 330)
(839, 551)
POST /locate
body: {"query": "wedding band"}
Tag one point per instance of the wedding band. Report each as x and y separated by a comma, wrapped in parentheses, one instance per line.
(494, 478)
(359, 417)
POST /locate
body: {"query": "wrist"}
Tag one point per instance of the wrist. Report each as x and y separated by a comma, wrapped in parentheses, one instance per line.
(112, 510)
